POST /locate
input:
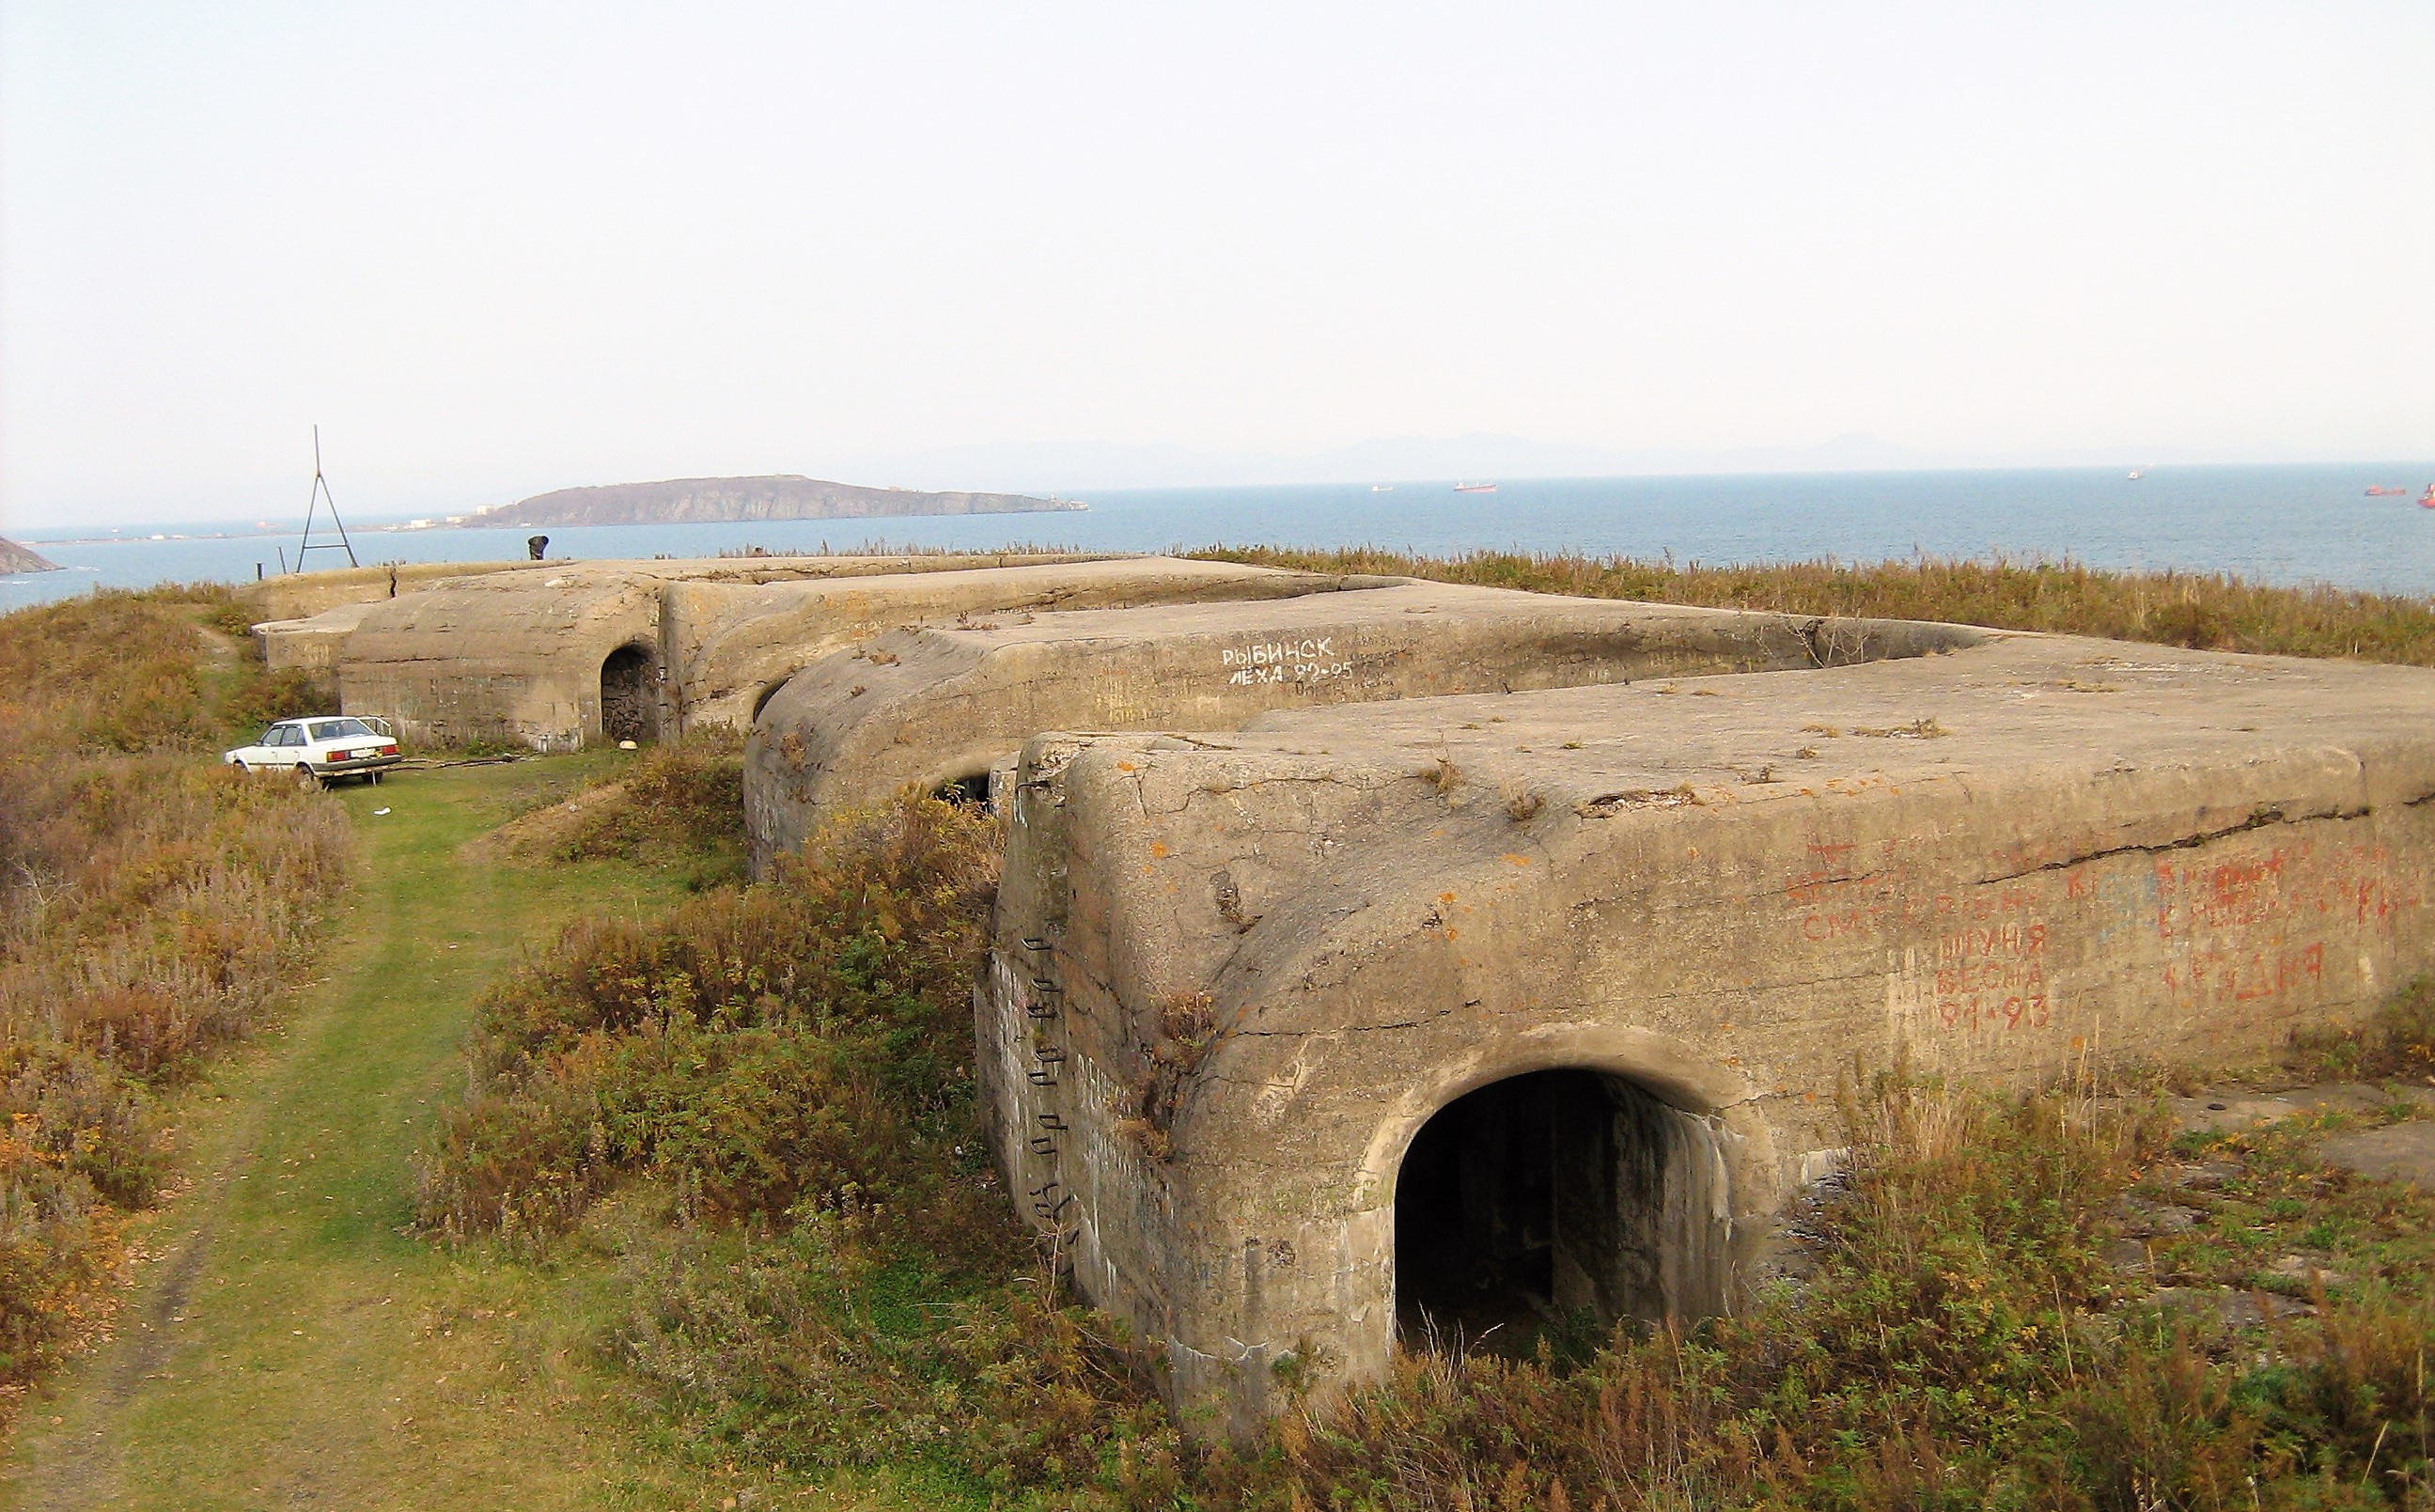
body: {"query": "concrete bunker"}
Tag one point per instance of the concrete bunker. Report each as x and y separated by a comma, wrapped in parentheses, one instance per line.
(630, 695)
(732, 642)
(1554, 1196)
(519, 655)
(923, 707)
(1701, 900)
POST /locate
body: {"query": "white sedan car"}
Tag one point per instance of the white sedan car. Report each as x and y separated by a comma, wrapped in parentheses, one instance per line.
(322, 749)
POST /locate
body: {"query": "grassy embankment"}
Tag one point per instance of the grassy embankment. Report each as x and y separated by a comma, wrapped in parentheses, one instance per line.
(288, 1338)
(150, 905)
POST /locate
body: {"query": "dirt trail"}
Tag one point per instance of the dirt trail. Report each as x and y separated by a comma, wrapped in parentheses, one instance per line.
(291, 1344)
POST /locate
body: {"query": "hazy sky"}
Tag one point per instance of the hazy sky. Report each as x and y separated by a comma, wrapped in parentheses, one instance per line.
(500, 248)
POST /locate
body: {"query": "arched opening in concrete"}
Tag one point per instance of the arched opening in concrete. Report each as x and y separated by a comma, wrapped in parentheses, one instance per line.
(973, 789)
(1552, 1198)
(629, 699)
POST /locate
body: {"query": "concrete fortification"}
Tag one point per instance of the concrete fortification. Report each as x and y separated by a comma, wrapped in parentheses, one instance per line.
(1380, 960)
(559, 654)
(947, 704)
(1625, 940)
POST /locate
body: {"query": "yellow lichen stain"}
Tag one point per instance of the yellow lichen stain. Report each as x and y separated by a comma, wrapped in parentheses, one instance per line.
(1450, 932)
(1512, 860)
(1158, 847)
(1695, 853)
(1446, 897)
(1123, 766)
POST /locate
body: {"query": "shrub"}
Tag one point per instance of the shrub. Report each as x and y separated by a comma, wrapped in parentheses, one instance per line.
(756, 1047)
(2399, 1041)
(680, 806)
(151, 903)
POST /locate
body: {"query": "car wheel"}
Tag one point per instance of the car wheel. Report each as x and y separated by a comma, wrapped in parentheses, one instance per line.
(305, 778)
(242, 768)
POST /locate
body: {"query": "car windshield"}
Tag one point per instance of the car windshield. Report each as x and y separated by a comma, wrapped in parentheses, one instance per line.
(338, 729)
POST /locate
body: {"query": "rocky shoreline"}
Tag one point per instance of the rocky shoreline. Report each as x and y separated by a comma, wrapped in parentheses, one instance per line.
(16, 559)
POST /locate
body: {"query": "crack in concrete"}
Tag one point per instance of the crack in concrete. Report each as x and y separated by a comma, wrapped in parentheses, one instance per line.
(2259, 818)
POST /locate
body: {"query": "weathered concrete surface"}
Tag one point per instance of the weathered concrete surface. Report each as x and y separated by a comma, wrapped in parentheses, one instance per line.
(731, 644)
(946, 703)
(631, 649)
(309, 644)
(523, 657)
(1722, 892)
(301, 595)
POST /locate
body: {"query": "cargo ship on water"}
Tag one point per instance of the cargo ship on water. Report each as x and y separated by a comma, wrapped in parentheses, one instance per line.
(1475, 488)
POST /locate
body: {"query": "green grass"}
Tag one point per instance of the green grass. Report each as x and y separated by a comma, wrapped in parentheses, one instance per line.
(291, 1340)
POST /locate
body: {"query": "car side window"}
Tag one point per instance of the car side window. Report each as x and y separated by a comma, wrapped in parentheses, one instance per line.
(284, 735)
(269, 737)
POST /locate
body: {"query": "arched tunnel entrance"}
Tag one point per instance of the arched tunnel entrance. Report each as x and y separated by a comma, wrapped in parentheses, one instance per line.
(1534, 1199)
(630, 698)
(971, 789)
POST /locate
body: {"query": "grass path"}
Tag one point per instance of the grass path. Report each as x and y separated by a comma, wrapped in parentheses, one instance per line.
(289, 1345)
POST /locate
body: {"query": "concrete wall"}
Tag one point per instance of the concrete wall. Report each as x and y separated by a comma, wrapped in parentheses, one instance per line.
(310, 644)
(301, 595)
(518, 657)
(2001, 864)
(513, 659)
(947, 702)
(731, 645)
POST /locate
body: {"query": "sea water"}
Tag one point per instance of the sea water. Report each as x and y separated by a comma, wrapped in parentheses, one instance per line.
(2281, 524)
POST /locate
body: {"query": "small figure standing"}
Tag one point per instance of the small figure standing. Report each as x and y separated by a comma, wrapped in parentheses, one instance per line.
(536, 544)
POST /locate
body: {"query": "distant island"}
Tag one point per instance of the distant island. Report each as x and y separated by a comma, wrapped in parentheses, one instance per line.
(700, 501)
(16, 559)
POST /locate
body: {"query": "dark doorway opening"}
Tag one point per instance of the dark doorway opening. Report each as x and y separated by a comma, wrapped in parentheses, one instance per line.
(972, 790)
(629, 703)
(1552, 1200)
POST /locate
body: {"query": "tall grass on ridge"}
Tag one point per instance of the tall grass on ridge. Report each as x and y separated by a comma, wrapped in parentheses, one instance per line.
(2202, 611)
(152, 901)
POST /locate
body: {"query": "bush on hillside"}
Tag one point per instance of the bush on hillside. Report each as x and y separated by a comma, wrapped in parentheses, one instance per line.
(151, 904)
(756, 1047)
(680, 805)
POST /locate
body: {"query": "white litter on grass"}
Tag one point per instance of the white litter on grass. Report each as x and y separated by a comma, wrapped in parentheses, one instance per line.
(377, 812)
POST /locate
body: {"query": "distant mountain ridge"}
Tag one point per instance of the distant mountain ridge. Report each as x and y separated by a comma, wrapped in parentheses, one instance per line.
(16, 559)
(781, 496)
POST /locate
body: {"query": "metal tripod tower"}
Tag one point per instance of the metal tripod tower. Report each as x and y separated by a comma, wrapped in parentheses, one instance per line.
(321, 491)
